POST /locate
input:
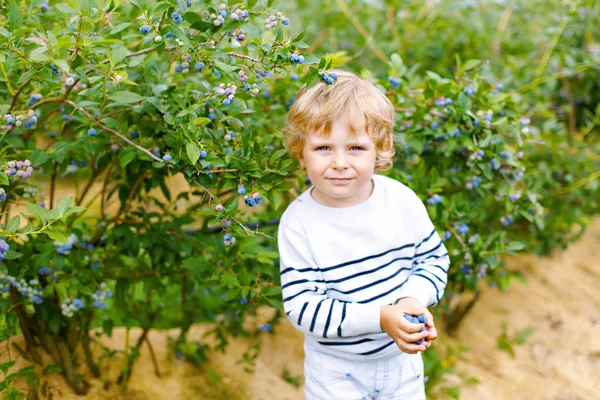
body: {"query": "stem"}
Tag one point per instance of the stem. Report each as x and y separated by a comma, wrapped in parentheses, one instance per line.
(115, 132)
(53, 185)
(153, 356)
(18, 92)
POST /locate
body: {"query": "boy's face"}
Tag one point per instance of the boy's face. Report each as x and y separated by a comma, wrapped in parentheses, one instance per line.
(340, 166)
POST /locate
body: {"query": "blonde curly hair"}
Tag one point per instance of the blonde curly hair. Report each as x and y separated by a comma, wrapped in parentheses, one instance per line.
(350, 99)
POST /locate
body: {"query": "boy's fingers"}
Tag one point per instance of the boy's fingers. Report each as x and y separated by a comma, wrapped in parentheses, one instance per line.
(410, 348)
(409, 327)
(413, 337)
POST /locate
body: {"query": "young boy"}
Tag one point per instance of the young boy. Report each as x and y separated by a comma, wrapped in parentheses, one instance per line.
(357, 249)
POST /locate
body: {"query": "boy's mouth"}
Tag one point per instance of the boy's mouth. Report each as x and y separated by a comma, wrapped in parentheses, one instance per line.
(340, 180)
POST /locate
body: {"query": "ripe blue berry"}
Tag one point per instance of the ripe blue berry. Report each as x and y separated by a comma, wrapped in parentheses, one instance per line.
(169, 35)
(417, 320)
(167, 157)
(178, 68)
(241, 190)
(145, 29)
(226, 102)
(285, 21)
(434, 125)
(212, 116)
(134, 134)
(227, 236)
(203, 154)
(91, 132)
(199, 66)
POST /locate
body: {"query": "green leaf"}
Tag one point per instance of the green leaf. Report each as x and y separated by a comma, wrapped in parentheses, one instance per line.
(300, 36)
(4, 179)
(471, 64)
(126, 97)
(11, 255)
(515, 246)
(277, 199)
(107, 326)
(193, 152)
(84, 7)
(201, 121)
(64, 205)
(52, 369)
(55, 235)
(252, 3)
(38, 211)
(279, 36)
(521, 336)
(126, 158)
(13, 223)
(117, 55)
(229, 279)
(15, 18)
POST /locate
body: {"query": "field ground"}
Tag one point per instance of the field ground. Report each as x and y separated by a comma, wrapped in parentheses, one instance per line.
(559, 360)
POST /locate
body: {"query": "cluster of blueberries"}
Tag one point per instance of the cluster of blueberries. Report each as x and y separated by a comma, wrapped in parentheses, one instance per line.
(30, 119)
(100, 296)
(19, 168)
(26, 289)
(34, 97)
(65, 248)
(470, 90)
(68, 307)
(2, 195)
(394, 81)
(443, 102)
(253, 200)
(228, 239)
(435, 199)
(417, 320)
(297, 59)
(329, 79)
(4, 248)
(473, 182)
(271, 20)
(507, 220)
(228, 92)
(44, 6)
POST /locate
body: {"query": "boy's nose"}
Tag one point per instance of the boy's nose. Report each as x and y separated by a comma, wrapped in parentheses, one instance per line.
(340, 161)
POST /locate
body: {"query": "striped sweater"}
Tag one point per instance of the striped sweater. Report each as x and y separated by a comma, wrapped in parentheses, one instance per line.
(338, 266)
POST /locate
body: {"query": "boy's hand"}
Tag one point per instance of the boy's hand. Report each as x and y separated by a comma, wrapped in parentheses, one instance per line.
(412, 306)
(401, 331)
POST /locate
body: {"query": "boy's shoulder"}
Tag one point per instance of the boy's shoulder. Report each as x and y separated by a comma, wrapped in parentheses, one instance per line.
(390, 190)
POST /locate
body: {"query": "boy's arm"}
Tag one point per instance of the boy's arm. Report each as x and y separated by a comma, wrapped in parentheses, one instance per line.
(304, 295)
(428, 278)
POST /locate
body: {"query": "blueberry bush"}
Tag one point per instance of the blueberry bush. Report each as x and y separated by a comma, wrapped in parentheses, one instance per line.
(166, 116)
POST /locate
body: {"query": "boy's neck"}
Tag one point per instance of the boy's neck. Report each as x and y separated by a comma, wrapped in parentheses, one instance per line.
(362, 195)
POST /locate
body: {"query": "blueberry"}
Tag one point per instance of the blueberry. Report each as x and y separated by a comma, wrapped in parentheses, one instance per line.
(145, 29)
(285, 21)
(203, 154)
(167, 157)
(199, 66)
(91, 132)
(226, 102)
(178, 68)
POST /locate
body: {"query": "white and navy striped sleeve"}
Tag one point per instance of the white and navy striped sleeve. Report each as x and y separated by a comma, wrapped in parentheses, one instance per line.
(304, 294)
(429, 274)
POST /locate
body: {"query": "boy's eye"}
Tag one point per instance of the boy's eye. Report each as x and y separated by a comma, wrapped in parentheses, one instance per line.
(357, 147)
(322, 147)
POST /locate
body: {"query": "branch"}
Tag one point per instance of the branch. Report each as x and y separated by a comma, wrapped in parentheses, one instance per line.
(233, 54)
(18, 92)
(251, 232)
(114, 132)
